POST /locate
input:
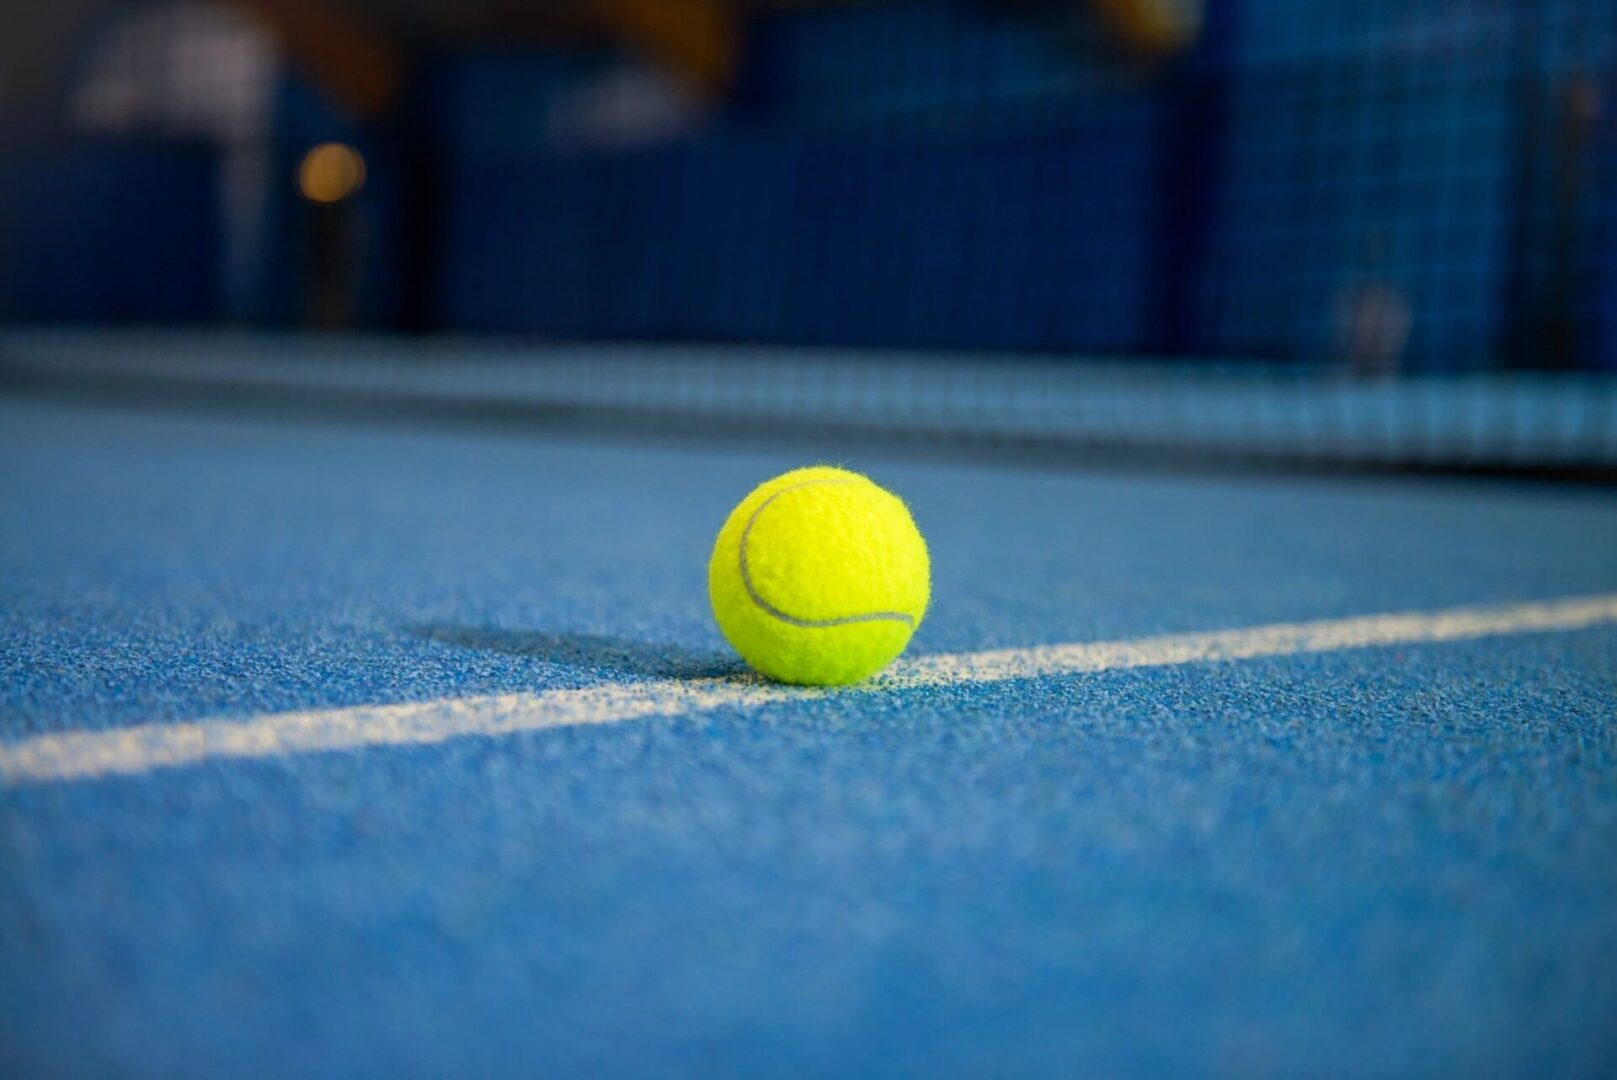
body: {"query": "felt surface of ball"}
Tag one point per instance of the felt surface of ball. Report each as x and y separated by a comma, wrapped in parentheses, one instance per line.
(819, 577)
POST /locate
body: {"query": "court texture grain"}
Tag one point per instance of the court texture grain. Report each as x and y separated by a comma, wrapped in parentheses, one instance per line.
(396, 752)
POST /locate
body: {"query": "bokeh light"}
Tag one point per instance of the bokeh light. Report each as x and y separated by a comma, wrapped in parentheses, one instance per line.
(331, 172)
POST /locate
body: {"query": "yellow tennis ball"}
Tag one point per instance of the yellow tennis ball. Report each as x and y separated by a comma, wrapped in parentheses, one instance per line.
(819, 577)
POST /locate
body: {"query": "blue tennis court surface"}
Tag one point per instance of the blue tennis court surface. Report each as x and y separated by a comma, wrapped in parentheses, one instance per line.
(1397, 858)
(375, 376)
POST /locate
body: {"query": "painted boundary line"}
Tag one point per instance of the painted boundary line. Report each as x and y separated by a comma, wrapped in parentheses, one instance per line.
(143, 748)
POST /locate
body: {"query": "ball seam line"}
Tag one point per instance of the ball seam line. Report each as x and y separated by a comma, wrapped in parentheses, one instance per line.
(791, 620)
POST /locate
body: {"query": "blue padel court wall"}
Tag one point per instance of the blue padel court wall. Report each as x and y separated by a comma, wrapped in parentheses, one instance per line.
(974, 195)
(925, 174)
(82, 224)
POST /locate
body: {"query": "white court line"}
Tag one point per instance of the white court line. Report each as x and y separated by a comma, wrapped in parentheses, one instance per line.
(84, 755)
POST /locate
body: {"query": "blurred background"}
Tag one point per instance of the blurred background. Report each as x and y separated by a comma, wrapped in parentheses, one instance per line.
(1345, 231)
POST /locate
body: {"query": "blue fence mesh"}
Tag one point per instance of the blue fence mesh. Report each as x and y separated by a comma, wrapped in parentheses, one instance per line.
(1299, 189)
(1426, 184)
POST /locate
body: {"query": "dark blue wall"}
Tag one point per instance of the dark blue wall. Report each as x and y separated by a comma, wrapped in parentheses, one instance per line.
(989, 191)
(929, 174)
(109, 231)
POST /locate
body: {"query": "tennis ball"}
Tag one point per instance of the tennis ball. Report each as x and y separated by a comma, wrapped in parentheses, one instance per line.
(819, 577)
